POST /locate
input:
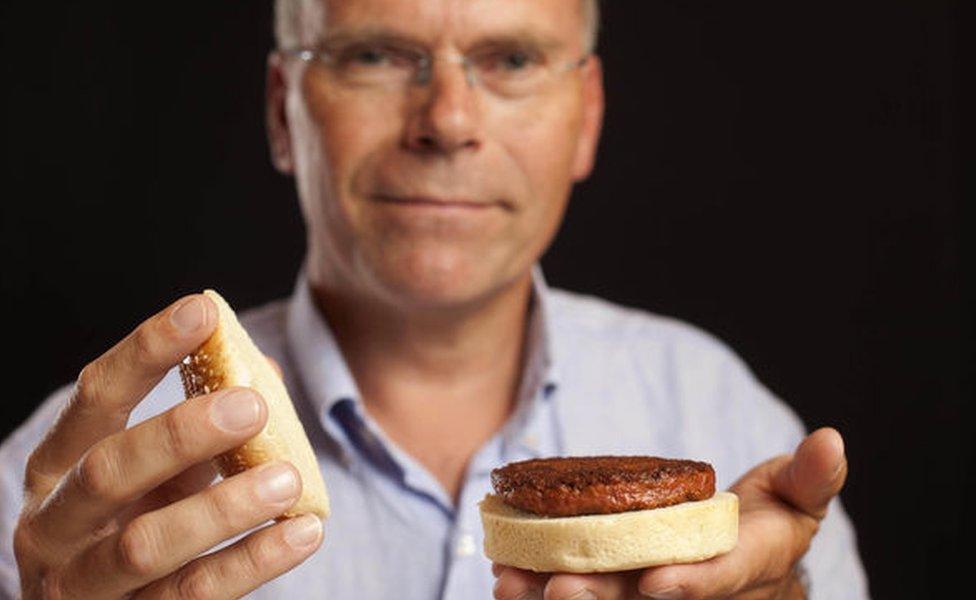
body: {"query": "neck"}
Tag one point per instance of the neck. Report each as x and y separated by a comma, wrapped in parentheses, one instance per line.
(440, 382)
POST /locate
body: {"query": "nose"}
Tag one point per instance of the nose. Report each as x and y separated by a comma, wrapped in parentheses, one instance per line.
(447, 115)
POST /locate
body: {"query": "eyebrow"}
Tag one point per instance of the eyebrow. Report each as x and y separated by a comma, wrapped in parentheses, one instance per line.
(520, 37)
(343, 37)
(523, 37)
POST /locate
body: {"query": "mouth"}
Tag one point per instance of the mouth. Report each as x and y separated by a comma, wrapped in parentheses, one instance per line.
(443, 203)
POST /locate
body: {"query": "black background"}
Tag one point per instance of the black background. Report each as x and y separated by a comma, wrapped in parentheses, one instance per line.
(785, 175)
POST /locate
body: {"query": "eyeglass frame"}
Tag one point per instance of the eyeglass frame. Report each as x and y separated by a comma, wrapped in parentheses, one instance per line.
(425, 64)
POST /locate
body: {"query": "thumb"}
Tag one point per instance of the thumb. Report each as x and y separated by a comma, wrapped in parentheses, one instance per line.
(815, 474)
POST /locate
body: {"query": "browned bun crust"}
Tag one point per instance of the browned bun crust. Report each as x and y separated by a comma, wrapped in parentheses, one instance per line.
(229, 358)
(590, 485)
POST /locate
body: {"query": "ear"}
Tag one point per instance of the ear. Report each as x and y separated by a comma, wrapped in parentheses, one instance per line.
(276, 117)
(593, 105)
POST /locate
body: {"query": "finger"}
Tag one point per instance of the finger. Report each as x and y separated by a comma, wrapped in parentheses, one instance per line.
(606, 586)
(772, 537)
(518, 584)
(125, 466)
(789, 588)
(815, 475)
(156, 544)
(244, 566)
(191, 481)
(110, 386)
(716, 578)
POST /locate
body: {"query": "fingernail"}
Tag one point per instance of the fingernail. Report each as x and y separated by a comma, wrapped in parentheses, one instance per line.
(583, 594)
(277, 484)
(189, 316)
(303, 531)
(235, 410)
(671, 593)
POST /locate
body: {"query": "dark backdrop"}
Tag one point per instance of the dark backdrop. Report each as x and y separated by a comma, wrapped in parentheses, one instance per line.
(785, 175)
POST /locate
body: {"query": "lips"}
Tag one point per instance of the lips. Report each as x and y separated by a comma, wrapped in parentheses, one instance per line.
(438, 201)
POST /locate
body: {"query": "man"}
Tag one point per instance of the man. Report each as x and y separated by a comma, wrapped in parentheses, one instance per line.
(434, 144)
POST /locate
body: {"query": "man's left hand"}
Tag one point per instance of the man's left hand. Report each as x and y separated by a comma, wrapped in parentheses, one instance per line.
(781, 504)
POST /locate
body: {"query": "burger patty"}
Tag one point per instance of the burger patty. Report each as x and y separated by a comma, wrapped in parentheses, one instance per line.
(588, 485)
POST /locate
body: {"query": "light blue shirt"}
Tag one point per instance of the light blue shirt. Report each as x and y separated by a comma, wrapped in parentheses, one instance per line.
(600, 379)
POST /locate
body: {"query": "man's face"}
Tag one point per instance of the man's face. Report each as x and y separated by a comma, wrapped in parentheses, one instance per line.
(441, 193)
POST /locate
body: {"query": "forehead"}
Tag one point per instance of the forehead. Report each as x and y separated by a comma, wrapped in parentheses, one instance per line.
(454, 21)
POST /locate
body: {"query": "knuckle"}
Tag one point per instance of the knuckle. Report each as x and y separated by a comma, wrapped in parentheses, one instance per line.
(196, 583)
(227, 509)
(23, 541)
(177, 433)
(144, 346)
(138, 552)
(259, 553)
(97, 473)
(87, 386)
(33, 465)
(34, 475)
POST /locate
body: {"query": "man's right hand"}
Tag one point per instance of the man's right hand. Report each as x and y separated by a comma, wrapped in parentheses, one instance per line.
(111, 512)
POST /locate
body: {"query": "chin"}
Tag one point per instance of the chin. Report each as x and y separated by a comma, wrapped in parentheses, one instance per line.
(439, 280)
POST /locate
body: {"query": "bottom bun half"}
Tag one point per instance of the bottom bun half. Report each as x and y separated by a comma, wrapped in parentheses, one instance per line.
(687, 532)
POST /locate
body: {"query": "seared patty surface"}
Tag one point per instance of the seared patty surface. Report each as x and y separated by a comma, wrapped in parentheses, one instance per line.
(587, 485)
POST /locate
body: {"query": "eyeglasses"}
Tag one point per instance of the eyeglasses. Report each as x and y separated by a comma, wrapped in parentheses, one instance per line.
(507, 72)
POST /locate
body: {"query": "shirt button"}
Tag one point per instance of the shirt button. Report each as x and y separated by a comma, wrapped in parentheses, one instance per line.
(465, 546)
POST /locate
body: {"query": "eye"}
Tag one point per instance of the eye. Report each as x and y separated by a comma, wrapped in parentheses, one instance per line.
(364, 56)
(508, 61)
(515, 60)
(370, 56)
(375, 62)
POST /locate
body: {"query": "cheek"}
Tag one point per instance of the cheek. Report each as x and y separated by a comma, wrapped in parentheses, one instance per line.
(348, 129)
(541, 144)
(339, 137)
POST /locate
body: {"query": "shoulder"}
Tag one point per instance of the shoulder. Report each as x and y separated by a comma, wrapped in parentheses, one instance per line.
(592, 319)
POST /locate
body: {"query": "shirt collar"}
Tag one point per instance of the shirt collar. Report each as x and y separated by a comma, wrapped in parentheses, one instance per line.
(539, 374)
(327, 380)
(323, 370)
(541, 342)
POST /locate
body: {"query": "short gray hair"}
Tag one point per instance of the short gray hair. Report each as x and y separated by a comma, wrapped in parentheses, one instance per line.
(289, 15)
(591, 21)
